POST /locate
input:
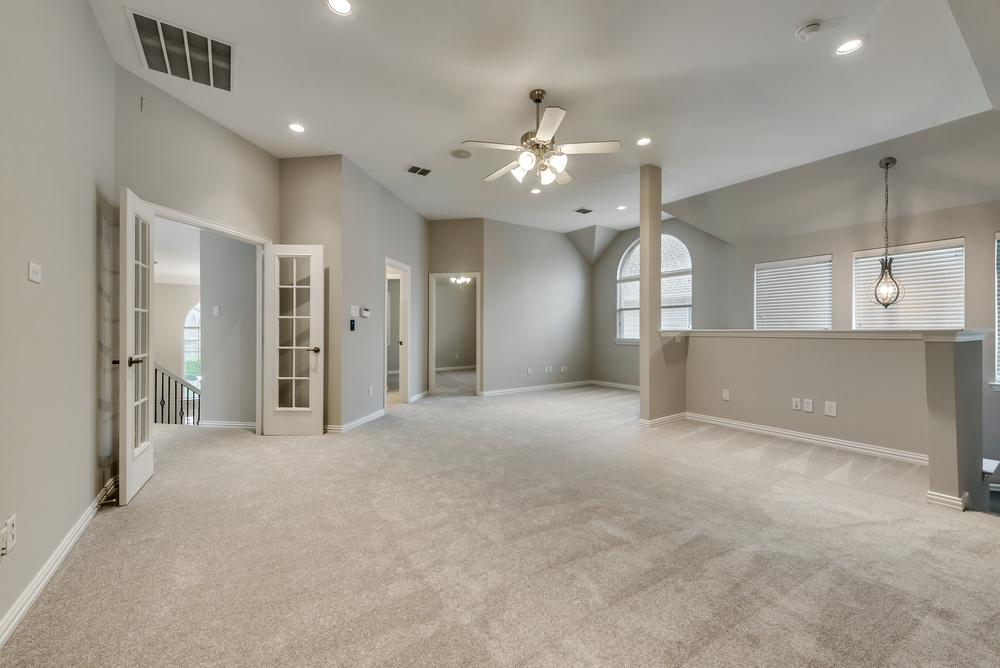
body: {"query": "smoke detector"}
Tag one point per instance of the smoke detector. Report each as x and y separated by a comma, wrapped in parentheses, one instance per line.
(461, 154)
(808, 30)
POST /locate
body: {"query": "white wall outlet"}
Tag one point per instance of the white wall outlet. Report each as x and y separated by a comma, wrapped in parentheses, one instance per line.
(725, 395)
(355, 311)
(565, 369)
(3, 542)
(216, 310)
(34, 272)
(456, 356)
(807, 405)
(831, 408)
(529, 370)
(11, 527)
(796, 404)
(371, 390)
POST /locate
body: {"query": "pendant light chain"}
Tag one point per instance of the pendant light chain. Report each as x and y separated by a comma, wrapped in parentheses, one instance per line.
(886, 290)
(885, 213)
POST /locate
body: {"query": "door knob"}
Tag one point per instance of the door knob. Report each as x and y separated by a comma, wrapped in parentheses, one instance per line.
(400, 343)
(134, 360)
(315, 350)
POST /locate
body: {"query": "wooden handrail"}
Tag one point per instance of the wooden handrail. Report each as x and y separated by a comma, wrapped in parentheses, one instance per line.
(178, 379)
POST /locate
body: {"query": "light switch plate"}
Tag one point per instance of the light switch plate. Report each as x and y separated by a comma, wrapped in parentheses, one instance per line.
(831, 408)
(355, 311)
(11, 527)
(34, 272)
(3, 542)
(807, 405)
(215, 310)
(725, 395)
(529, 370)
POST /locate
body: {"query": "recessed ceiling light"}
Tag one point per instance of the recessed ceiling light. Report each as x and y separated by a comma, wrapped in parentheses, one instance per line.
(295, 127)
(342, 7)
(535, 191)
(621, 208)
(851, 45)
(645, 141)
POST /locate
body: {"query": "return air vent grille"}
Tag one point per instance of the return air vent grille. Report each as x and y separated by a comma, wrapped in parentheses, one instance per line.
(419, 171)
(583, 209)
(182, 53)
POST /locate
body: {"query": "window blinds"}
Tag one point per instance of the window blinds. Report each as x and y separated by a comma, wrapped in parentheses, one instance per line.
(794, 294)
(933, 275)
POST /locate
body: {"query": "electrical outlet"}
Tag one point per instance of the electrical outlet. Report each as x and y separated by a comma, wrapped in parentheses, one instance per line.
(34, 273)
(3, 542)
(725, 395)
(371, 390)
(529, 370)
(796, 404)
(355, 311)
(831, 408)
(565, 369)
(11, 527)
(215, 310)
(807, 405)
(456, 356)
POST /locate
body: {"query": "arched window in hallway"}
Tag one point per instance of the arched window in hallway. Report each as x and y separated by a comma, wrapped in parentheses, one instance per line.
(675, 288)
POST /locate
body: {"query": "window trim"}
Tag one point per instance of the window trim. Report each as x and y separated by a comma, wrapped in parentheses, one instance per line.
(635, 279)
(996, 312)
(794, 262)
(899, 249)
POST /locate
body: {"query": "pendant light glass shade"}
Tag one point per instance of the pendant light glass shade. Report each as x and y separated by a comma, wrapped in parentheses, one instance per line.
(518, 174)
(558, 162)
(886, 290)
(548, 176)
(527, 161)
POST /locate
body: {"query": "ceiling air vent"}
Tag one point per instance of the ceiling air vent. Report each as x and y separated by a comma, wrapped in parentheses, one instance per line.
(583, 209)
(182, 53)
(419, 171)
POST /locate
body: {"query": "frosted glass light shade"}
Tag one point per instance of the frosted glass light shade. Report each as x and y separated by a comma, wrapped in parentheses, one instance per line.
(548, 176)
(558, 162)
(518, 174)
(527, 161)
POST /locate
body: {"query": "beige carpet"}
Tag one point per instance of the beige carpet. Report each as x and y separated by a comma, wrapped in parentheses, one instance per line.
(455, 383)
(536, 529)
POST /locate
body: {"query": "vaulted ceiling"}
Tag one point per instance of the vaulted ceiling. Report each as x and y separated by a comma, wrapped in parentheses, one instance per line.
(723, 87)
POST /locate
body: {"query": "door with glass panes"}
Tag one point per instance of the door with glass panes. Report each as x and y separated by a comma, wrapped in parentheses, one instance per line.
(293, 340)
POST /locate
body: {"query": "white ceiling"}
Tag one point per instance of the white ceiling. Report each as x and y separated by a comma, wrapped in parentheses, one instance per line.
(176, 249)
(724, 88)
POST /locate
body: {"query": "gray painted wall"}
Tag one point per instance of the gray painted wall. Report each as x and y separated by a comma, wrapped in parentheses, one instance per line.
(171, 304)
(181, 159)
(455, 343)
(537, 307)
(376, 225)
(56, 170)
(456, 245)
(229, 340)
(392, 338)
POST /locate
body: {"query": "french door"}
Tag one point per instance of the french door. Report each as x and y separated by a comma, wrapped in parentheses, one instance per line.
(294, 316)
(135, 452)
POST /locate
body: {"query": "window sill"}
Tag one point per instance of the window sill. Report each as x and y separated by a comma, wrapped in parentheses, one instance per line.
(995, 386)
(635, 342)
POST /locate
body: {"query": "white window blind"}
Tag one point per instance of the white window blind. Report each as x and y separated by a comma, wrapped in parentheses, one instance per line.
(675, 288)
(933, 276)
(794, 294)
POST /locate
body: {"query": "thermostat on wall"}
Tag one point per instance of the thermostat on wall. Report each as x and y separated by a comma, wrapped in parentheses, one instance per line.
(365, 313)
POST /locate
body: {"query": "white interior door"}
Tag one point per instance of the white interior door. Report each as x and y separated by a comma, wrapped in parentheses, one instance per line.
(135, 456)
(294, 316)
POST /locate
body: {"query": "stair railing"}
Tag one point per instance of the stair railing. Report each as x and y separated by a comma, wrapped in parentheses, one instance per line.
(175, 401)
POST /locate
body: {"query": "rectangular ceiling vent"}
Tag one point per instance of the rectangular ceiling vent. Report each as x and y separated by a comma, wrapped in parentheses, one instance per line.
(583, 209)
(419, 171)
(182, 53)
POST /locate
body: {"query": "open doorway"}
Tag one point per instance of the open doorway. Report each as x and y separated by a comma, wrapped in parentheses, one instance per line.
(455, 341)
(396, 332)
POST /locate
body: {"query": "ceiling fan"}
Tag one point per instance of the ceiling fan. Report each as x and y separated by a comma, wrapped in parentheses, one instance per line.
(539, 152)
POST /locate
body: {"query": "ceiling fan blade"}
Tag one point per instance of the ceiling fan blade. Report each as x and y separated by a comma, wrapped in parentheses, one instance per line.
(591, 147)
(493, 145)
(500, 172)
(563, 177)
(551, 119)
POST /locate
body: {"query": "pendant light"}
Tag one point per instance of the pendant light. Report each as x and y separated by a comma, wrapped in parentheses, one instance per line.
(886, 290)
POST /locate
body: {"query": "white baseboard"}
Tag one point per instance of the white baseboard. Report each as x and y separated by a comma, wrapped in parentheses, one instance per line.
(341, 428)
(864, 448)
(215, 424)
(620, 386)
(553, 386)
(418, 397)
(946, 501)
(454, 368)
(663, 420)
(37, 584)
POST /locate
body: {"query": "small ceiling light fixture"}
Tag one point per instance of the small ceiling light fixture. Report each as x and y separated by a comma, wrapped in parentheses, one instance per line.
(295, 127)
(342, 7)
(621, 208)
(535, 191)
(461, 154)
(645, 141)
(851, 45)
(886, 290)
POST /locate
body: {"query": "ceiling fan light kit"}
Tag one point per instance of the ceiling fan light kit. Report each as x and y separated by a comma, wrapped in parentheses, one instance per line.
(538, 150)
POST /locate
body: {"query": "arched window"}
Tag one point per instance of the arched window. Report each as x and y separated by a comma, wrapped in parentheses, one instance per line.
(675, 288)
(192, 346)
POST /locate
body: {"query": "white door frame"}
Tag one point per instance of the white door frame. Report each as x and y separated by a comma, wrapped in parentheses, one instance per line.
(258, 241)
(404, 331)
(432, 326)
